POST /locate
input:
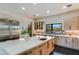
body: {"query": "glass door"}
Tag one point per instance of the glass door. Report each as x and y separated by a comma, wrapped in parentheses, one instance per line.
(48, 28)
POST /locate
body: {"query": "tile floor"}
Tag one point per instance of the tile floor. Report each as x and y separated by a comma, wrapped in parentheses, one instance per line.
(57, 53)
(64, 51)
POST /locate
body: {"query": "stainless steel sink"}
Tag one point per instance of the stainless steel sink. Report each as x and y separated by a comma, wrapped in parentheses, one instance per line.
(42, 39)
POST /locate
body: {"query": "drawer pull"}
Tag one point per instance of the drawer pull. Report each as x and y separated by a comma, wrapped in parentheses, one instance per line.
(47, 44)
(40, 52)
(40, 46)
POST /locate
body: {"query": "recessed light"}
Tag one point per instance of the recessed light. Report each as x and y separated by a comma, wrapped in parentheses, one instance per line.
(37, 14)
(34, 3)
(47, 11)
(64, 7)
(23, 8)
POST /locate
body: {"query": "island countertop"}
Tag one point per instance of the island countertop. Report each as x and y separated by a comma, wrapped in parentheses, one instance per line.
(15, 47)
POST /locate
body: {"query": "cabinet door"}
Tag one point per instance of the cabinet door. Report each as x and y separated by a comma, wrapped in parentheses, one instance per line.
(76, 43)
(44, 49)
(67, 24)
(40, 50)
(78, 23)
(69, 42)
(50, 46)
(58, 41)
(61, 41)
(73, 23)
(35, 51)
(70, 23)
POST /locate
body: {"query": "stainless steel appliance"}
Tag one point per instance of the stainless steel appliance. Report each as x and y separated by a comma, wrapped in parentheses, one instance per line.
(9, 29)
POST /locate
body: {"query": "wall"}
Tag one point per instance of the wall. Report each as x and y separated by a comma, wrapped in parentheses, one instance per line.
(24, 21)
(59, 18)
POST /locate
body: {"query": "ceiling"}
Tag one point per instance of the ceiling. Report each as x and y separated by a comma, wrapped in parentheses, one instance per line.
(39, 9)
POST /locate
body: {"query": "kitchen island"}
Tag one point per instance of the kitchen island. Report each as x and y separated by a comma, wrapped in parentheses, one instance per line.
(28, 46)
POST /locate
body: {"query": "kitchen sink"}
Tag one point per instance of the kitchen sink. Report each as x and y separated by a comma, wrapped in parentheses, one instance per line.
(42, 39)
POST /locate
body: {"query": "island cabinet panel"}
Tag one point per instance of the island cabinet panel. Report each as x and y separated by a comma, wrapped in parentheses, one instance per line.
(35, 51)
(27, 53)
(50, 46)
(43, 49)
(40, 50)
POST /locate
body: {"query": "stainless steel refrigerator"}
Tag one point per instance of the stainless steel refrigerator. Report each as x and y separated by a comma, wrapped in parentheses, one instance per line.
(9, 29)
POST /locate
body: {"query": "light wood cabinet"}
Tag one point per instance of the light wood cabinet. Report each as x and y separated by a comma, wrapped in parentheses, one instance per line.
(71, 23)
(43, 49)
(50, 46)
(30, 52)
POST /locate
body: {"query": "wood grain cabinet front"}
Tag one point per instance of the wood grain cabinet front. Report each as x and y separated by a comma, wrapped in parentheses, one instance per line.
(71, 23)
(50, 46)
(26, 53)
(43, 49)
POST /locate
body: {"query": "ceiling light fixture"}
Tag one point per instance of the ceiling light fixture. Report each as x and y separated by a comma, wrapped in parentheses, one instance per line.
(34, 3)
(37, 14)
(64, 7)
(47, 11)
(23, 8)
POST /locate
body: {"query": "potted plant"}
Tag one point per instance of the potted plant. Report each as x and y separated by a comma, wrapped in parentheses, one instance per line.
(28, 31)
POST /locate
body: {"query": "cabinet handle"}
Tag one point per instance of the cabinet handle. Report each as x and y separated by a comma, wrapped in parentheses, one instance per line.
(52, 45)
(40, 52)
(47, 44)
(72, 40)
(66, 41)
(69, 27)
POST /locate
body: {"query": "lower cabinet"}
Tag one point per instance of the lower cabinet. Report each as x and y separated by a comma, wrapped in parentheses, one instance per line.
(69, 42)
(30, 52)
(50, 46)
(43, 49)
(61, 41)
(75, 44)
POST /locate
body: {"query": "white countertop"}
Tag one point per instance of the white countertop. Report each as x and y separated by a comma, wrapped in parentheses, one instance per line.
(76, 36)
(63, 35)
(13, 47)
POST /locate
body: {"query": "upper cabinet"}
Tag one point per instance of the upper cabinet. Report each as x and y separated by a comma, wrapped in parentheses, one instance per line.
(38, 25)
(71, 23)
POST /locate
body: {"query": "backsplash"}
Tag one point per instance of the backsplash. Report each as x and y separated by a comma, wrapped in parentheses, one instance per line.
(71, 32)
